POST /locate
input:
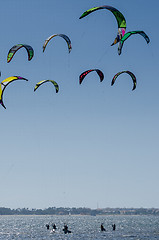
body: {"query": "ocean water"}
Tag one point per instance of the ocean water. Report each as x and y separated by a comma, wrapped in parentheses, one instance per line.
(82, 227)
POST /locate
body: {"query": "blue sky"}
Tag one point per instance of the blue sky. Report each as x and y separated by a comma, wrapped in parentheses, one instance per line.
(91, 144)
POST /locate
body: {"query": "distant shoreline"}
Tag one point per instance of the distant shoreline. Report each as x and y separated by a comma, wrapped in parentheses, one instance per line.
(78, 215)
(80, 211)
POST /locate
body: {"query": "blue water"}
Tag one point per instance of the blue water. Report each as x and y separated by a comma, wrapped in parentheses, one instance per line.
(82, 227)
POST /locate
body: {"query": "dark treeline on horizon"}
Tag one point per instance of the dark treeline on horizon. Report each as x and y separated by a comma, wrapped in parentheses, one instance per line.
(79, 211)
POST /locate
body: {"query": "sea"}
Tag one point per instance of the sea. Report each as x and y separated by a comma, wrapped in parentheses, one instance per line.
(81, 227)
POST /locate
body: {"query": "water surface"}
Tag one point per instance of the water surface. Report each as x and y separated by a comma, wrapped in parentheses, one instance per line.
(82, 227)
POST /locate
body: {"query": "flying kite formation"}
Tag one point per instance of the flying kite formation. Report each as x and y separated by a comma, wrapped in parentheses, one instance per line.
(121, 37)
(121, 25)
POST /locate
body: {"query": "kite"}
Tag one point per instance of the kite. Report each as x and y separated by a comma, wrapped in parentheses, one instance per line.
(82, 76)
(4, 84)
(16, 47)
(60, 35)
(128, 34)
(119, 17)
(44, 81)
(130, 73)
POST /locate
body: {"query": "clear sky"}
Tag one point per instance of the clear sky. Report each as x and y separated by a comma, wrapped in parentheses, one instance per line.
(90, 145)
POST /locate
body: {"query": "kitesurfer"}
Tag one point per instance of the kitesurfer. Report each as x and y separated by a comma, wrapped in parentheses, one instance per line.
(54, 226)
(114, 227)
(47, 226)
(102, 227)
(65, 229)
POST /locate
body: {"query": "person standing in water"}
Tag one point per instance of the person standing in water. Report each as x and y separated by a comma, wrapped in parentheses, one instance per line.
(102, 227)
(47, 226)
(65, 229)
(114, 227)
(54, 226)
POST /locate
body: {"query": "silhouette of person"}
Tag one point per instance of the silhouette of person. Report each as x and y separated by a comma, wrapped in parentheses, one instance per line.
(47, 225)
(102, 227)
(54, 226)
(65, 229)
(114, 227)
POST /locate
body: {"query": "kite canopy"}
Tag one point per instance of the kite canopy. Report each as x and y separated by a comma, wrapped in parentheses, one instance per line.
(44, 81)
(82, 76)
(4, 84)
(128, 72)
(16, 47)
(118, 15)
(60, 35)
(128, 34)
